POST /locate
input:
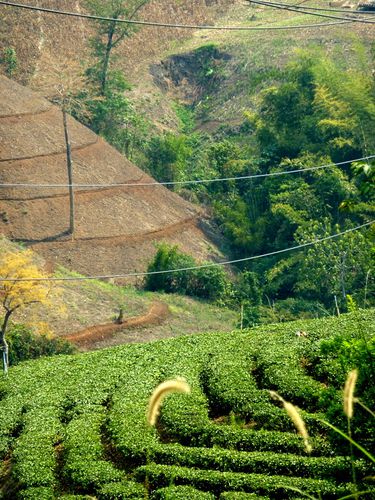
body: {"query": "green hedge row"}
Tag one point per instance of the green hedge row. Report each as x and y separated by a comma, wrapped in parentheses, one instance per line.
(217, 482)
(84, 463)
(122, 490)
(186, 420)
(338, 468)
(181, 493)
(34, 453)
(126, 425)
(278, 367)
(251, 440)
(230, 387)
(37, 493)
(10, 420)
(240, 495)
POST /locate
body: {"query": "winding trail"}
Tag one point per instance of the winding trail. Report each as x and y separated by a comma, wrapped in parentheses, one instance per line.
(157, 313)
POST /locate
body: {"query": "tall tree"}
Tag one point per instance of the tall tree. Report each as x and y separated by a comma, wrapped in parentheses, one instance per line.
(110, 34)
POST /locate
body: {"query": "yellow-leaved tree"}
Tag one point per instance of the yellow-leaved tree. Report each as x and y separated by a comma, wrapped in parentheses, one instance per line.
(20, 287)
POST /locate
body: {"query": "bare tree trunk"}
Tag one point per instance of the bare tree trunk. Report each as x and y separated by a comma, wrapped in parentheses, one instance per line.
(3, 343)
(111, 32)
(69, 165)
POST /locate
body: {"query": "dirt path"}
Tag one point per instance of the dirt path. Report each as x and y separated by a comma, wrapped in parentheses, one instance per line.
(157, 313)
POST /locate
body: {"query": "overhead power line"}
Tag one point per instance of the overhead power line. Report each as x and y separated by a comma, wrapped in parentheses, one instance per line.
(170, 25)
(173, 183)
(330, 9)
(192, 268)
(291, 8)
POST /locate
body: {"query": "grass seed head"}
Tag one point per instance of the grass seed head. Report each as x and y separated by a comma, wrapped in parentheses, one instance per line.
(161, 391)
(349, 393)
(296, 418)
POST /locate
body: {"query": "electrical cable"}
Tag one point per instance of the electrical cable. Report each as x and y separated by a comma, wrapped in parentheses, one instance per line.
(171, 25)
(282, 6)
(173, 183)
(330, 9)
(192, 268)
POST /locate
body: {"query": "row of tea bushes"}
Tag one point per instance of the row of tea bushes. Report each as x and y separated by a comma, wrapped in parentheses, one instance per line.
(217, 482)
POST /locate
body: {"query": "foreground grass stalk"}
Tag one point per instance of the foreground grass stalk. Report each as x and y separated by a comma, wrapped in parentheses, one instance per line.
(357, 494)
(162, 390)
(366, 408)
(303, 493)
(296, 419)
(348, 438)
(349, 410)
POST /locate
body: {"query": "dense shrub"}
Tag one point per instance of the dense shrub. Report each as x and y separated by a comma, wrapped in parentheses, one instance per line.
(240, 495)
(169, 257)
(208, 283)
(122, 491)
(274, 463)
(38, 493)
(25, 344)
(34, 455)
(181, 493)
(85, 466)
(160, 476)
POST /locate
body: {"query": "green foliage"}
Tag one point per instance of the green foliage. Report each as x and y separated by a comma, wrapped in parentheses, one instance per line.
(169, 257)
(122, 491)
(186, 116)
(34, 455)
(209, 283)
(10, 61)
(84, 452)
(25, 344)
(167, 156)
(217, 482)
(85, 424)
(109, 111)
(210, 64)
(341, 263)
(250, 462)
(181, 493)
(248, 289)
(38, 493)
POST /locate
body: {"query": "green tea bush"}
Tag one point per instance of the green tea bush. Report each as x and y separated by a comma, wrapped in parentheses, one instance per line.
(81, 420)
(85, 466)
(160, 476)
(38, 493)
(122, 491)
(181, 493)
(239, 495)
(34, 454)
(230, 387)
(338, 468)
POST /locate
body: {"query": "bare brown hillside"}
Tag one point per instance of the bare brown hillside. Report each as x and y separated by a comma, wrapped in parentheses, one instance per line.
(34, 34)
(39, 38)
(116, 227)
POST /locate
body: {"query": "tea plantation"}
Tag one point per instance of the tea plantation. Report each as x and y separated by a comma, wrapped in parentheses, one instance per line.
(75, 426)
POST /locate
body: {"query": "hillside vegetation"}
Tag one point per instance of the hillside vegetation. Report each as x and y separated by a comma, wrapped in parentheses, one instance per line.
(76, 424)
(284, 122)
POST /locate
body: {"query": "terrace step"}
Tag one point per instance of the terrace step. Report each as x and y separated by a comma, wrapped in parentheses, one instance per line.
(279, 487)
(337, 468)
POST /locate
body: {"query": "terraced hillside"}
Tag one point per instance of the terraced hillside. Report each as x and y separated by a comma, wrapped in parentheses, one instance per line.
(76, 425)
(116, 227)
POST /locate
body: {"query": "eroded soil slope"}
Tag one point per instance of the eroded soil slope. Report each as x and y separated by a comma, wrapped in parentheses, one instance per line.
(116, 227)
